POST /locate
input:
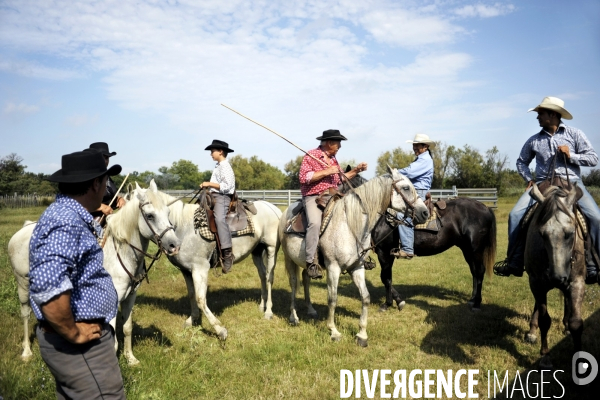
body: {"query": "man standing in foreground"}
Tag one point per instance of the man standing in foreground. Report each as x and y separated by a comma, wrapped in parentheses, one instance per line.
(320, 178)
(71, 293)
(568, 144)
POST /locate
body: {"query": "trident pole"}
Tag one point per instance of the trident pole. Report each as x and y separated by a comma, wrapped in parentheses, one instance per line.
(271, 130)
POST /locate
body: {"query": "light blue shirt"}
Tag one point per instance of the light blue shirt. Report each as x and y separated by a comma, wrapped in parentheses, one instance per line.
(543, 146)
(420, 171)
(64, 255)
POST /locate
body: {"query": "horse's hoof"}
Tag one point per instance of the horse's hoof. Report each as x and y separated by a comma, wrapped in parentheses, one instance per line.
(336, 338)
(401, 305)
(383, 308)
(26, 357)
(362, 342)
(223, 335)
(530, 338)
(475, 309)
(313, 315)
(294, 322)
(269, 316)
(132, 361)
(546, 362)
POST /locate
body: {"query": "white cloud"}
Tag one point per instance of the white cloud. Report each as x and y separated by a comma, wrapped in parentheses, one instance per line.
(35, 70)
(19, 109)
(484, 11)
(78, 120)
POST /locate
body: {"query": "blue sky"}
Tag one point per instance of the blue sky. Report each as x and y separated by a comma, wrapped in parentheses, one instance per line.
(148, 77)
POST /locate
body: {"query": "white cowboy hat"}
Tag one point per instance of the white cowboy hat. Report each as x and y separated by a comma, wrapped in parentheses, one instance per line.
(422, 138)
(554, 104)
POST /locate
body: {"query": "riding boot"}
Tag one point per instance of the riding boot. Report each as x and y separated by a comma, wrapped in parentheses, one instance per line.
(592, 275)
(227, 260)
(314, 270)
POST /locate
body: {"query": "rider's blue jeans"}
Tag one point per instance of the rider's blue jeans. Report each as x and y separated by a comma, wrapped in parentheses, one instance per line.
(407, 233)
(586, 203)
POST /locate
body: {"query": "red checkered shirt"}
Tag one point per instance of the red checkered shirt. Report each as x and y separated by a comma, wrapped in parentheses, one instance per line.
(309, 167)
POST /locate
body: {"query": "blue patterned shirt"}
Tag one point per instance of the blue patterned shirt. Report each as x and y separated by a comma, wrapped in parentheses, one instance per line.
(64, 255)
(543, 146)
(420, 171)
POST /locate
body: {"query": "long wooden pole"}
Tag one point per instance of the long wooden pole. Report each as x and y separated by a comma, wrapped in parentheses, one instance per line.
(281, 136)
(115, 196)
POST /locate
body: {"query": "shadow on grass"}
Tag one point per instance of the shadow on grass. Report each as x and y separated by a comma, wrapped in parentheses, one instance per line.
(559, 382)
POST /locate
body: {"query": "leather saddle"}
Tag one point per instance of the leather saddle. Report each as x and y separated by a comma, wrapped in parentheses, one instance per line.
(237, 217)
(298, 223)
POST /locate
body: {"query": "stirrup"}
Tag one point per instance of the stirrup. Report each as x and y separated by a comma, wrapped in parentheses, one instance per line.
(396, 252)
(505, 268)
(314, 271)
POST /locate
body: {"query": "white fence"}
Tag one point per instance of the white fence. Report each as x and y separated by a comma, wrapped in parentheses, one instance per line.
(488, 196)
(26, 200)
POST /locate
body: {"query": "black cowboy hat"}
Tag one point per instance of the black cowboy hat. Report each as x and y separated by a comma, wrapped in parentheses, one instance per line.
(220, 145)
(332, 134)
(83, 166)
(103, 148)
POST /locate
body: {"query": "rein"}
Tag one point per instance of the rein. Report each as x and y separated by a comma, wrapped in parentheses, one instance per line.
(157, 239)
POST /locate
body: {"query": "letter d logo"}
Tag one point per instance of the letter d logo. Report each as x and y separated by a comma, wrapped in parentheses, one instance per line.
(584, 368)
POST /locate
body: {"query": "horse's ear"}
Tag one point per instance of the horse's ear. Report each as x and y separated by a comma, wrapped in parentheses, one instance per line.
(137, 186)
(393, 172)
(129, 191)
(536, 194)
(152, 186)
(348, 168)
(578, 192)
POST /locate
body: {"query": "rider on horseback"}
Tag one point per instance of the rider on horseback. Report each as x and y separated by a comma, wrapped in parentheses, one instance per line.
(555, 137)
(420, 173)
(106, 207)
(317, 178)
(222, 187)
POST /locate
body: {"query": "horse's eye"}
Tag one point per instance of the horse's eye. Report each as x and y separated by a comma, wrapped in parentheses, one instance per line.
(150, 217)
(405, 187)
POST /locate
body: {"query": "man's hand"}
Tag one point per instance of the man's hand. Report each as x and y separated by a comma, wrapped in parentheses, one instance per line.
(361, 167)
(106, 210)
(565, 149)
(529, 185)
(120, 202)
(332, 170)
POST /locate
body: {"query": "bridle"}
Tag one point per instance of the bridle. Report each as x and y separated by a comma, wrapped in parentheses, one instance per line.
(409, 204)
(157, 239)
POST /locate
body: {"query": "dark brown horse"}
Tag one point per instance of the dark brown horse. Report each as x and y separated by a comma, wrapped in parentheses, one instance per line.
(554, 258)
(465, 223)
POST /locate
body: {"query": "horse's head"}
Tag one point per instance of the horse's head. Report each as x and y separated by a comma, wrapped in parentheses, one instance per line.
(405, 198)
(555, 224)
(153, 218)
(355, 182)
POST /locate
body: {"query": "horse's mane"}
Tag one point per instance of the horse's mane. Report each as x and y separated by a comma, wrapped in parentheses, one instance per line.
(552, 204)
(369, 198)
(179, 212)
(123, 224)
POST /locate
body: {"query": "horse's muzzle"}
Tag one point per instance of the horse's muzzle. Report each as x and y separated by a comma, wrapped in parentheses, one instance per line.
(422, 215)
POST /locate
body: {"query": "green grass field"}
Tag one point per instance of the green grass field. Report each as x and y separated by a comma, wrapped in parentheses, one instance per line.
(271, 359)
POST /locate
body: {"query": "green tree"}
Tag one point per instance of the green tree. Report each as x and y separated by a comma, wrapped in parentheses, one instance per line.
(189, 176)
(253, 173)
(292, 173)
(592, 178)
(397, 158)
(465, 167)
(11, 171)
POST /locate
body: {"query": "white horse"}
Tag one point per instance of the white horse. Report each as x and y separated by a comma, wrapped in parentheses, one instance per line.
(144, 217)
(193, 259)
(344, 242)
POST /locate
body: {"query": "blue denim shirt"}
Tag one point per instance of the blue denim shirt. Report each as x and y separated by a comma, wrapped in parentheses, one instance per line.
(543, 146)
(420, 171)
(64, 255)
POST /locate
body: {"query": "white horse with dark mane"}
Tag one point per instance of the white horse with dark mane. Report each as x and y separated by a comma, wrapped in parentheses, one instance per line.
(193, 259)
(144, 218)
(345, 241)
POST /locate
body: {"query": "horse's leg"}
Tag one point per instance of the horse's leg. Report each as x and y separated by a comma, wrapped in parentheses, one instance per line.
(194, 318)
(265, 272)
(531, 336)
(25, 312)
(576, 292)
(126, 312)
(567, 307)
(358, 276)
(545, 322)
(292, 272)
(310, 311)
(386, 261)
(333, 278)
(477, 267)
(200, 278)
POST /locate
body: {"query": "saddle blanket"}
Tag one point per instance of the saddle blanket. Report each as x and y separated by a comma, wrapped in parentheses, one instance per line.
(432, 224)
(202, 227)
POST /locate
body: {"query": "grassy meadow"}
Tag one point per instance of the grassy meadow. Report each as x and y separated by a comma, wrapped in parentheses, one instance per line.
(270, 359)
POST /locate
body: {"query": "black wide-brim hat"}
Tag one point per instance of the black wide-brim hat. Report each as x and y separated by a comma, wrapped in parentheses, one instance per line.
(332, 134)
(103, 148)
(83, 166)
(220, 145)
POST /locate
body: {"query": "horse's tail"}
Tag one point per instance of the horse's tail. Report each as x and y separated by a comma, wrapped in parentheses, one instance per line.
(489, 251)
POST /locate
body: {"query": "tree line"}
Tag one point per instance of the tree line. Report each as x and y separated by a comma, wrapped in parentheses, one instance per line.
(464, 167)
